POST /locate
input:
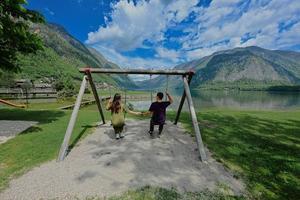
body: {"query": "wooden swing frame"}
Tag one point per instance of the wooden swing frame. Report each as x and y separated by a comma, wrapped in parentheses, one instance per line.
(186, 76)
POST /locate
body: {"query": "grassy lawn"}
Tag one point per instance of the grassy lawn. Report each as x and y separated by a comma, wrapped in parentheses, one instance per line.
(153, 193)
(262, 147)
(39, 143)
(50, 105)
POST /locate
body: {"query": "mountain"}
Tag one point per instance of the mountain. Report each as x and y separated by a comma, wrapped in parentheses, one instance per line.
(243, 68)
(62, 56)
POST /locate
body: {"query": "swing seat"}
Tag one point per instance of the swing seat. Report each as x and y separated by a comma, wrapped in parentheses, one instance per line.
(124, 124)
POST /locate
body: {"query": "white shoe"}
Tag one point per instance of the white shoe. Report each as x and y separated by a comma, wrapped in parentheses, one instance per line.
(121, 135)
(117, 136)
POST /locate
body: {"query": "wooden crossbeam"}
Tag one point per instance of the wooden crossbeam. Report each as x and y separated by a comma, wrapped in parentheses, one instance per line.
(135, 71)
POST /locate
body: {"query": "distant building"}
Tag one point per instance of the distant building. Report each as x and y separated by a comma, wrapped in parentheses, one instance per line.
(43, 85)
(18, 83)
(26, 88)
(104, 86)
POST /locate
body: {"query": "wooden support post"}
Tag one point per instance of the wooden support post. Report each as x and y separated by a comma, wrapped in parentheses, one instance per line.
(65, 144)
(182, 101)
(194, 119)
(94, 90)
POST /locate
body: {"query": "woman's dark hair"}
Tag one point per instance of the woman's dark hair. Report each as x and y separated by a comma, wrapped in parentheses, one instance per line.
(116, 104)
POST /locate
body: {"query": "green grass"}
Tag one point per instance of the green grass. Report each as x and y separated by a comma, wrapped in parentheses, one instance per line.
(39, 143)
(154, 193)
(51, 105)
(261, 147)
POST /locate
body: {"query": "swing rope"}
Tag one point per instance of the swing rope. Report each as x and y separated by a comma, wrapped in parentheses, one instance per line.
(167, 86)
(151, 89)
(109, 87)
(125, 102)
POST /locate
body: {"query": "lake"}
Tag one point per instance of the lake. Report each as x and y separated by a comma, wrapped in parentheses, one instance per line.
(254, 100)
(241, 100)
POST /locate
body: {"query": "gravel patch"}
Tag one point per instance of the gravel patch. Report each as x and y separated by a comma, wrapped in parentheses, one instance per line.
(102, 166)
(11, 128)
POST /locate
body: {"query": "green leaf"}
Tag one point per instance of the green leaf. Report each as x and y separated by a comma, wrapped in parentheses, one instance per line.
(16, 36)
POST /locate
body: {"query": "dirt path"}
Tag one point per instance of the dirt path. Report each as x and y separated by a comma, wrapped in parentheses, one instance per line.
(103, 166)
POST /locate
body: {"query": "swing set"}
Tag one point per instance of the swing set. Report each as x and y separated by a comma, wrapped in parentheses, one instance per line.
(186, 77)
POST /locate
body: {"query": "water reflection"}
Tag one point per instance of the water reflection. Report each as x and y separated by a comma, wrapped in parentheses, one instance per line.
(235, 99)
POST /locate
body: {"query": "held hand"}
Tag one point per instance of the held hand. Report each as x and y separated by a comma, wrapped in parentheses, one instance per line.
(137, 113)
(146, 113)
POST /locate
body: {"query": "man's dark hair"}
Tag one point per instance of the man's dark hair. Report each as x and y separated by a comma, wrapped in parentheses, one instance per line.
(160, 95)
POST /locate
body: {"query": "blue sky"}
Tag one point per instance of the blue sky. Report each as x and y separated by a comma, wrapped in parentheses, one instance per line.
(164, 33)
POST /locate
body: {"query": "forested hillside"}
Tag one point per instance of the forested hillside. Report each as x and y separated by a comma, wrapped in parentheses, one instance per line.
(61, 58)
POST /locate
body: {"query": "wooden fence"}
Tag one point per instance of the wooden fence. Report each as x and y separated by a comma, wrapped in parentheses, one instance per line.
(20, 93)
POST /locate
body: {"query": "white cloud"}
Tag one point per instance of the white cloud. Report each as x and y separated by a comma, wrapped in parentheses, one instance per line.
(172, 55)
(131, 24)
(221, 25)
(262, 21)
(137, 62)
(290, 37)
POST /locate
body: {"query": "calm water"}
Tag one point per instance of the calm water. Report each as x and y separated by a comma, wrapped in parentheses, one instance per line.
(255, 100)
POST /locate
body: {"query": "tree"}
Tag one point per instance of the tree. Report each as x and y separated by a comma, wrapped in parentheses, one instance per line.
(64, 85)
(15, 34)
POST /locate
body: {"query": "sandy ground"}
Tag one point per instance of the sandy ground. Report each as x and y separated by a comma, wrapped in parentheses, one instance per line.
(10, 128)
(102, 166)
